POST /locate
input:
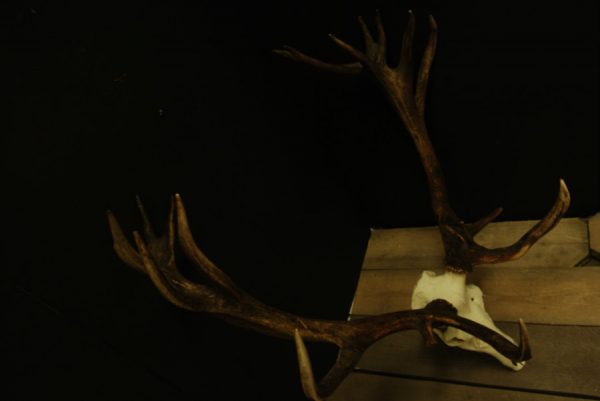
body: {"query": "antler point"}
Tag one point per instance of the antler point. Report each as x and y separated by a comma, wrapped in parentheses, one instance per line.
(524, 341)
(432, 23)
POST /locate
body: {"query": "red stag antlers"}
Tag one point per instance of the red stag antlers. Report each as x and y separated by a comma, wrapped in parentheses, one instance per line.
(221, 296)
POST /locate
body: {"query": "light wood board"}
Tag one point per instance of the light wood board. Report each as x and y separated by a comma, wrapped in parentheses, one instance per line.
(558, 295)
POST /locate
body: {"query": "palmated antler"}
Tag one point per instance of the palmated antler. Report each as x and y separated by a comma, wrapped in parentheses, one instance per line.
(407, 97)
(223, 298)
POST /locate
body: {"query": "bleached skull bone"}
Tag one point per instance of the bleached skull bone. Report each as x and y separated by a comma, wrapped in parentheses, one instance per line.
(468, 300)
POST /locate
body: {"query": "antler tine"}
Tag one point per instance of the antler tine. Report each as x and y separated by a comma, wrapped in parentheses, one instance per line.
(380, 31)
(193, 252)
(519, 248)
(344, 364)
(305, 366)
(121, 245)
(424, 69)
(480, 224)
(296, 55)
(351, 50)
(405, 64)
(524, 345)
(147, 228)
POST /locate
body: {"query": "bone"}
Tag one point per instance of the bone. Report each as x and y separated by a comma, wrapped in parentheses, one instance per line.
(468, 300)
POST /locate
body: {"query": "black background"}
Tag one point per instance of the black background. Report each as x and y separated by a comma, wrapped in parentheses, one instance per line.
(283, 170)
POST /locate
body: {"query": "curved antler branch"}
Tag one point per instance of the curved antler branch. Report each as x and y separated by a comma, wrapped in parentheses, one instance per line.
(408, 100)
(541, 228)
(296, 55)
(222, 297)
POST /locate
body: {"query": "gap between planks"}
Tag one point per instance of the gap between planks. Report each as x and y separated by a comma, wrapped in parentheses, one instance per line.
(361, 386)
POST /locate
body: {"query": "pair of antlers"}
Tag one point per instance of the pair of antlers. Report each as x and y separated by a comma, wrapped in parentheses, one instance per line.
(223, 298)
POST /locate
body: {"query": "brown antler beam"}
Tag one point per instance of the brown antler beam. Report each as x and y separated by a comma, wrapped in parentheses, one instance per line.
(408, 101)
(223, 298)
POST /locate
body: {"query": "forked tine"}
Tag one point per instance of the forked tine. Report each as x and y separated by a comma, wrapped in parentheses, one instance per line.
(172, 284)
(160, 280)
(374, 49)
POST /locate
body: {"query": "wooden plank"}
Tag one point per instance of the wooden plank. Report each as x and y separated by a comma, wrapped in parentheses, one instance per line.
(565, 360)
(404, 248)
(594, 232)
(368, 387)
(561, 295)
(565, 245)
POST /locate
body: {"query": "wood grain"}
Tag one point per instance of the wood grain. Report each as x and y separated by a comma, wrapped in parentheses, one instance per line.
(566, 245)
(558, 295)
(565, 360)
(368, 387)
(594, 232)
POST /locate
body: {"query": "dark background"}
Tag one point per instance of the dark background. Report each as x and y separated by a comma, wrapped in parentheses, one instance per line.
(283, 170)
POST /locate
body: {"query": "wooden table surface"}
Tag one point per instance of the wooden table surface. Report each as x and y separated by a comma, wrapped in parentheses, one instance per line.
(555, 288)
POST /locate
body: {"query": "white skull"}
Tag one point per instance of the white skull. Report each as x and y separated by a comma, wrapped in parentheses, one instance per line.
(468, 300)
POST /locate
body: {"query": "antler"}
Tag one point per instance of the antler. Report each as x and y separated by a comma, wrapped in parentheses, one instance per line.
(408, 100)
(223, 298)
